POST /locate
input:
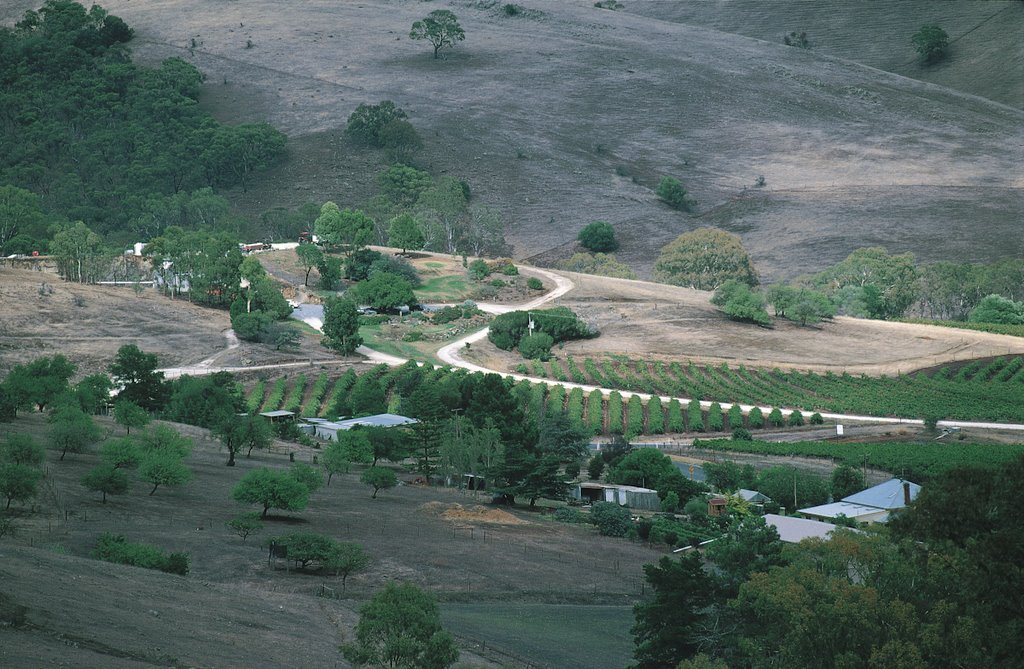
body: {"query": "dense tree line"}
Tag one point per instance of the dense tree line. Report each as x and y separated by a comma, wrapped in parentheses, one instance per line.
(938, 587)
(87, 135)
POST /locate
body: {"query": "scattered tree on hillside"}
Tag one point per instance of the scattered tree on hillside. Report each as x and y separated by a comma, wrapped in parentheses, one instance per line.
(384, 291)
(164, 440)
(341, 326)
(310, 256)
(307, 475)
(704, 259)
(672, 192)
(347, 559)
(272, 489)
(440, 28)
(740, 303)
(598, 237)
(163, 469)
(129, 414)
(379, 478)
(405, 233)
(22, 449)
(120, 453)
(106, 479)
(931, 43)
(248, 432)
(18, 482)
(71, 430)
(39, 382)
(350, 229)
(245, 524)
(367, 122)
(401, 627)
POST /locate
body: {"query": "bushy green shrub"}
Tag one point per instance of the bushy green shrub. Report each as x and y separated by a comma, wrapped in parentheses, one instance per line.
(537, 346)
(568, 514)
(611, 519)
(510, 270)
(756, 418)
(776, 418)
(116, 548)
(816, 419)
(796, 418)
(672, 192)
(533, 283)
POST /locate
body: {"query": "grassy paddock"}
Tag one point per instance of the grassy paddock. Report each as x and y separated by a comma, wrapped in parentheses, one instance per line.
(565, 636)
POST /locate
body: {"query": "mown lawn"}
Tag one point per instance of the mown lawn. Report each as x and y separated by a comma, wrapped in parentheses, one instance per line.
(559, 636)
(449, 288)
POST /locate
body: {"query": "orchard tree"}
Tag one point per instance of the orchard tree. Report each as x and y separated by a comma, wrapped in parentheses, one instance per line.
(440, 28)
(401, 627)
(39, 382)
(163, 469)
(931, 43)
(72, 430)
(310, 256)
(335, 460)
(120, 453)
(18, 482)
(248, 432)
(341, 326)
(379, 478)
(347, 559)
(273, 489)
(307, 475)
(245, 524)
(107, 480)
(129, 414)
(22, 449)
(405, 232)
(598, 237)
(704, 259)
(165, 440)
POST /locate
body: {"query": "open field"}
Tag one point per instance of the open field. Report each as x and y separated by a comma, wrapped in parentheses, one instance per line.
(540, 114)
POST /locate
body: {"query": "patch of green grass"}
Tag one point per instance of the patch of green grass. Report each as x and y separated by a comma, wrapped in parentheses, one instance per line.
(548, 635)
(450, 288)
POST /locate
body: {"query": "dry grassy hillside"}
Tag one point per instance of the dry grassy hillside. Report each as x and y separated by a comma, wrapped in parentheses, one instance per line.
(986, 54)
(570, 113)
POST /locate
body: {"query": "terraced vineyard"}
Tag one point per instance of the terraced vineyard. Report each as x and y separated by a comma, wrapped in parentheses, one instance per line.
(990, 390)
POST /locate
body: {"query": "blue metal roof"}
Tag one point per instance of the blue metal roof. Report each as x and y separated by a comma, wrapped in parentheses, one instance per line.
(888, 495)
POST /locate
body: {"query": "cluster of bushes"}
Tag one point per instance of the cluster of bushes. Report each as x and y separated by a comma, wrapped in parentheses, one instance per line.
(550, 326)
(116, 548)
(453, 313)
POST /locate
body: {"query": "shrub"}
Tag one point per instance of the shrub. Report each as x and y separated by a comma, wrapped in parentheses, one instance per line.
(816, 419)
(599, 237)
(796, 39)
(498, 283)
(537, 346)
(510, 270)
(756, 418)
(740, 303)
(716, 422)
(479, 270)
(567, 514)
(611, 519)
(511, 10)
(776, 418)
(671, 502)
(796, 418)
(367, 122)
(931, 43)
(533, 283)
(741, 434)
(600, 264)
(672, 192)
(245, 524)
(116, 548)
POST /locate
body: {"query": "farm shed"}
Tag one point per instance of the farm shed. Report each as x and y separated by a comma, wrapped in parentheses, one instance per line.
(279, 416)
(752, 496)
(624, 495)
(328, 430)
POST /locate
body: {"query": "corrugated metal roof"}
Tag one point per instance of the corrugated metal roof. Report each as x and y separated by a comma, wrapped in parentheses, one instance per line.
(794, 530)
(380, 420)
(842, 508)
(752, 495)
(277, 414)
(888, 495)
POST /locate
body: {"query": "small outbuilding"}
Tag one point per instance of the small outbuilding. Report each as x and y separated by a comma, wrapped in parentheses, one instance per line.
(279, 416)
(625, 495)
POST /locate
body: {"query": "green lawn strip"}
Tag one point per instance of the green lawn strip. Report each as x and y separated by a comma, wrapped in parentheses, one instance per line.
(547, 635)
(450, 288)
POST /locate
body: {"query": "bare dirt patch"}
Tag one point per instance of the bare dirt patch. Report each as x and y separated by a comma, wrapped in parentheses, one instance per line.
(657, 322)
(471, 514)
